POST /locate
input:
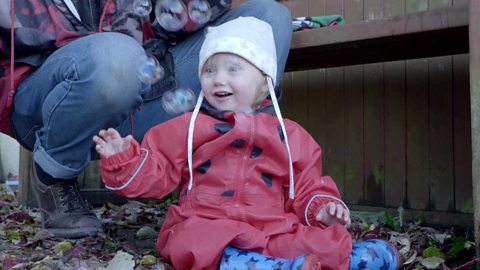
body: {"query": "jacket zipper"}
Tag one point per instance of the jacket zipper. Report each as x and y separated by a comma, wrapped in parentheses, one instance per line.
(240, 185)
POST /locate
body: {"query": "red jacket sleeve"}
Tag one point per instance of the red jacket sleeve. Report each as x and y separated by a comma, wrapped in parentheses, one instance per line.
(313, 190)
(152, 169)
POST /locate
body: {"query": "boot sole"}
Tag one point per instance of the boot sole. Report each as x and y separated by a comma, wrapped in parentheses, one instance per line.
(74, 233)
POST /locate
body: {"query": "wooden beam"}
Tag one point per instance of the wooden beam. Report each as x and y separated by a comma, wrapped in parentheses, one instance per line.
(25, 196)
(474, 32)
(426, 218)
(424, 34)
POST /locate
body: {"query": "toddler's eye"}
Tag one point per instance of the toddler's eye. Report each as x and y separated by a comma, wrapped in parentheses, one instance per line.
(208, 70)
(234, 68)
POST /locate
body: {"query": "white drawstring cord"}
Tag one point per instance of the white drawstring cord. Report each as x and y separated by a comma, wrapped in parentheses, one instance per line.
(191, 126)
(291, 193)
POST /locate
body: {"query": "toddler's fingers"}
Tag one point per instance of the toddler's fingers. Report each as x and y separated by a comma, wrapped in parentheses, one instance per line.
(340, 211)
(321, 214)
(330, 208)
(99, 149)
(102, 133)
(113, 133)
(97, 140)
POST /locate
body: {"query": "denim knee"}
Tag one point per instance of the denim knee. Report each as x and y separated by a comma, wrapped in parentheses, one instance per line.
(109, 72)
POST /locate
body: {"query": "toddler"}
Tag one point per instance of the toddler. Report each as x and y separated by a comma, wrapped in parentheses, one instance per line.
(253, 195)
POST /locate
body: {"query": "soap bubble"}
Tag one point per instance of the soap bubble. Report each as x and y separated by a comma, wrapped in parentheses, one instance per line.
(225, 2)
(199, 11)
(150, 71)
(142, 7)
(171, 14)
(179, 101)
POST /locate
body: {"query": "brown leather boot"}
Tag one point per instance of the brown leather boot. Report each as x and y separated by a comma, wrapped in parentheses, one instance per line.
(64, 212)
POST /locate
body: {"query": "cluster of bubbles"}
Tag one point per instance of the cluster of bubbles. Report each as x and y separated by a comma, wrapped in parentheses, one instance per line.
(177, 101)
(173, 15)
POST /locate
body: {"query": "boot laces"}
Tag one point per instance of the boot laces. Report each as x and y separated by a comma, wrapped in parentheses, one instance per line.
(70, 199)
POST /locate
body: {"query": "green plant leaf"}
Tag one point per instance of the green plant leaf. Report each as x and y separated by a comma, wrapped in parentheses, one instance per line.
(460, 244)
(389, 222)
(433, 252)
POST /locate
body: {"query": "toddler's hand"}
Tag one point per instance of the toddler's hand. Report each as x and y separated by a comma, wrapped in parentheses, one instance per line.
(109, 142)
(333, 213)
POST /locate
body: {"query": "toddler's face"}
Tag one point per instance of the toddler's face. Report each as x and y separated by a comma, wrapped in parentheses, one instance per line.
(231, 83)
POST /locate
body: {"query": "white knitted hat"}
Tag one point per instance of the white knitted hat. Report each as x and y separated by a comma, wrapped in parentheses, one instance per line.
(247, 37)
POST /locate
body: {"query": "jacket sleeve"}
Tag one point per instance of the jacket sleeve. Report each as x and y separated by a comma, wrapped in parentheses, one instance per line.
(152, 169)
(313, 190)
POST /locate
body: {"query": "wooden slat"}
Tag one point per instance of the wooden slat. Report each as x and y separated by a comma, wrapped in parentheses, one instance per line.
(474, 32)
(441, 134)
(333, 147)
(374, 140)
(299, 8)
(417, 134)
(354, 135)
(353, 149)
(395, 132)
(462, 141)
(287, 93)
(317, 7)
(414, 6)
(417, 123)
(393, 8)
(300, 78)
(316, 104)
(430, 33)
(299, 97)
(334, 115)
(25, 196)
(316, 88)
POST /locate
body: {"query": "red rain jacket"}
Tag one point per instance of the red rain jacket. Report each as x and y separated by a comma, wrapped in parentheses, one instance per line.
(240, 189)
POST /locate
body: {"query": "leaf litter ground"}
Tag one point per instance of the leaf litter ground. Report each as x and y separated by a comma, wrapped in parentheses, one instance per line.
(130, 232)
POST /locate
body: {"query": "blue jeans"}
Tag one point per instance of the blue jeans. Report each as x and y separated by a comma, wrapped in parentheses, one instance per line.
(92, 84)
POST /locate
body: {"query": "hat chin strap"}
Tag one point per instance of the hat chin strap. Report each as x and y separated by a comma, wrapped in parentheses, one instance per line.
(191, 126)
